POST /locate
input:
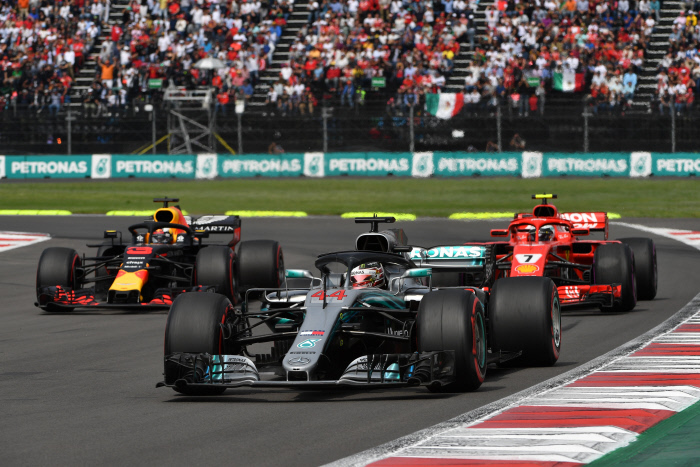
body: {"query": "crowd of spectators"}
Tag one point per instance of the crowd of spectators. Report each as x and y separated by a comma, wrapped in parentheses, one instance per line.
(349, 47)
(157, 44)
(678, 77)
(42, 44)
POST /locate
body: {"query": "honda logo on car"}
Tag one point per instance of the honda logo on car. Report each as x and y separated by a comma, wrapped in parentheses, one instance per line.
(451, 252)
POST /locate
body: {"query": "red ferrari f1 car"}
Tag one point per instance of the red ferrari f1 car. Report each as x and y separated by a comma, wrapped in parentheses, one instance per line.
(165, 257)
(611, 274)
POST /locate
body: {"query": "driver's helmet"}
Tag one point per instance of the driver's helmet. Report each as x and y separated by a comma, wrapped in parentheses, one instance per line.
(161, 236)
(367, 275)
(546, 233)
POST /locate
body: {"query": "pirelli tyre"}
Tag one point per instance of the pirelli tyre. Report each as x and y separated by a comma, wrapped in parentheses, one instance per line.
(214, 267)
(454, 320)
(58, 267)
(260, 264)
(525, 315)
(613, 263)
(645, 272)
(194, 326)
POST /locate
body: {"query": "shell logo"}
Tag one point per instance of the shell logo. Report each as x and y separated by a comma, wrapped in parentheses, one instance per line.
(527, 268)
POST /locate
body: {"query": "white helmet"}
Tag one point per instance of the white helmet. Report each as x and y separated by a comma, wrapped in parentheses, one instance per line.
(367, 275)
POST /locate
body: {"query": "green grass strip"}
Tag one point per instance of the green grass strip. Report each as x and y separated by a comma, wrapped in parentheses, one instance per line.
(137, 213)
(673, 441)
(34, 212)
(400, 216)
(432, 197)
(481, 215)
(267, 213)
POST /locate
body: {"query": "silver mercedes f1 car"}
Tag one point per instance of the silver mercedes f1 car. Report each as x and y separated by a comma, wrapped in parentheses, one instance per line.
(395, 331)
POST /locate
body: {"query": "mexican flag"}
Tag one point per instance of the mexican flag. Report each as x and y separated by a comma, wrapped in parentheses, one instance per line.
(444, 105)
(568, 81)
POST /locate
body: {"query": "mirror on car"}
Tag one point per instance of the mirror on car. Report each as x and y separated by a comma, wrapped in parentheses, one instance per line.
(417, 272)
(577, 232)
(298, 274)
(499, 232)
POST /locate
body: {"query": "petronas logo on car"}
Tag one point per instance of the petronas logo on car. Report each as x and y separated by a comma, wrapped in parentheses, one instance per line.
(308, 343)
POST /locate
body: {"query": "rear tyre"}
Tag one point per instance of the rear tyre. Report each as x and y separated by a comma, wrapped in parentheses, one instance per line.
(525, 315)
(613, 263)
(454, 320)
(58, 267)
(260, 263)
(214, 267)
(646, 275)
(193, 326)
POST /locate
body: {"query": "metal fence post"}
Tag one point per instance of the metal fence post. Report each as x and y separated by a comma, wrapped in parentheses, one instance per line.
(585, 130)
(499, 127)
(240, 135)
(69, 119)
(411, 145)
(153, 131)
(673, 129)
(325, 112)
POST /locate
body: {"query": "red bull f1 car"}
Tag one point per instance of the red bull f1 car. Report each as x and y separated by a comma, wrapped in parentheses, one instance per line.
(345, 330)
(166, 256)
(611, 274)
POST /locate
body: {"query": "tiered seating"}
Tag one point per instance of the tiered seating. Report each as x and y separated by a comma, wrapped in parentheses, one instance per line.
(41, 47)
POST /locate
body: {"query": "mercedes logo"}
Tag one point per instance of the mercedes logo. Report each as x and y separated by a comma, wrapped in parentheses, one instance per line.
(298, 361)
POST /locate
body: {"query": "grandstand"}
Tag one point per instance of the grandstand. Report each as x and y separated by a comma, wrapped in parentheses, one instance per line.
(379, 57)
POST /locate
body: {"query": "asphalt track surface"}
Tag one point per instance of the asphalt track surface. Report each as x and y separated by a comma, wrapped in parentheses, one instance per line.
(79, 388)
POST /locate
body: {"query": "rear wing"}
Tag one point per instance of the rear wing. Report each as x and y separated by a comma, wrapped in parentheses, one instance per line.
(219, 225)
(451, 257)
(593, 221)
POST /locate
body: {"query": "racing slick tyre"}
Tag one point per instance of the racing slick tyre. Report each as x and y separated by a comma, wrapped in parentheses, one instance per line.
(646, 275)
(525, 315)
(58, 266)
(214, 267)
(454, 320)
(260, 263)
(613, 263)
(194, 326)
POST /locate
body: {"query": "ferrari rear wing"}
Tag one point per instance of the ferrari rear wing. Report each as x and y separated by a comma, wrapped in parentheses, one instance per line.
(593, 221)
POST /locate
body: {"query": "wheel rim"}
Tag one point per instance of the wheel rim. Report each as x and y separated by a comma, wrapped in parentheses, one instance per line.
(556, 321)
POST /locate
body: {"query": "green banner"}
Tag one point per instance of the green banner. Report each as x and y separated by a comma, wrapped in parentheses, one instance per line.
(155, 83)
(379, 82)
(124, 166)
(588, 165)
(368, 163)
(261, 165)
(47, 166)
(461, 164)
(679, 164)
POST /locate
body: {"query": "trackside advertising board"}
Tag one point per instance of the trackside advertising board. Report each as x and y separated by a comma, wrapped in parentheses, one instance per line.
(361, 164)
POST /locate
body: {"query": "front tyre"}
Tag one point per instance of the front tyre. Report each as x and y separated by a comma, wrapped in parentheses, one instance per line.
(194, 326)
(613, 263)
(454, 320)
(58, 267)
(646, 274)
(260, 264)
(525, 315)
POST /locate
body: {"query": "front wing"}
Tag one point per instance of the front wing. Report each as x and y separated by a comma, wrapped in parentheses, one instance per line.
(602, 295)
(58, 297)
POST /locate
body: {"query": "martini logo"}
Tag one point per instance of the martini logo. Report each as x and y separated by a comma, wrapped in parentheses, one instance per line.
(313, 164)
(640, 164)
(422, 164)
(527, 268)
(101, 166)
(206, 166)
(308, 343)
